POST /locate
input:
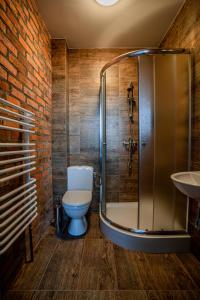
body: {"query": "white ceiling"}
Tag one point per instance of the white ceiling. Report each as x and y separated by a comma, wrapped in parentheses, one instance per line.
(129, 23)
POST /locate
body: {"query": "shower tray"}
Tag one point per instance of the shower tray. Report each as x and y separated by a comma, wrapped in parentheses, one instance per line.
(123, 213)
(156, 243)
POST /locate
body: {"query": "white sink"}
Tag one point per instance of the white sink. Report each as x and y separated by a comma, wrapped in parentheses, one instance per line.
(188, 183)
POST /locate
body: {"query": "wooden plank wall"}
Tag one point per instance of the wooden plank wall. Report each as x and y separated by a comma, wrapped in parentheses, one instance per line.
(184, 33)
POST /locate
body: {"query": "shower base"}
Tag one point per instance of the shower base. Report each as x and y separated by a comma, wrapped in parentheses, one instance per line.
(125, 214)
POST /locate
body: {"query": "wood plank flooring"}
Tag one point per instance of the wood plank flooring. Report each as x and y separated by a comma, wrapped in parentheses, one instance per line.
(98, 271)
(93, 268)
(62, 272)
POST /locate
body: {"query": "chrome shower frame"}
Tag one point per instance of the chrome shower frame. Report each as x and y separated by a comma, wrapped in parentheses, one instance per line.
(132, 54)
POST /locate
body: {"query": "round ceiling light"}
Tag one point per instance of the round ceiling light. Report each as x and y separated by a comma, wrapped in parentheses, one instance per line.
(107, 2)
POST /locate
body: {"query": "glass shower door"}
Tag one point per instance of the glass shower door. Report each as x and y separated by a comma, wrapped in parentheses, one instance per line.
(164, 134)
(163, 109)
(119, 161)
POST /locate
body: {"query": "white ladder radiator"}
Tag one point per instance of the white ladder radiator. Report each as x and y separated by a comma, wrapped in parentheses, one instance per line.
(18, 205)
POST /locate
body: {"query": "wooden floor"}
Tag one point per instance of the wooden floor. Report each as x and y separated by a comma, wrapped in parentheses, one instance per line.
(94, 268)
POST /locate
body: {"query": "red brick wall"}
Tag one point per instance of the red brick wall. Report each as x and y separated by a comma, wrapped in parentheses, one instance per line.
(25, 79)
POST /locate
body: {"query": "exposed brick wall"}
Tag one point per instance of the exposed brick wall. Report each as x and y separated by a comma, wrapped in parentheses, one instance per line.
(25, 79)
(60, 139)
(184, 33)
(84, 79)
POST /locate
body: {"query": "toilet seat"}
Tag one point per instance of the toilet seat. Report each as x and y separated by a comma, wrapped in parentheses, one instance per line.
(77, 198)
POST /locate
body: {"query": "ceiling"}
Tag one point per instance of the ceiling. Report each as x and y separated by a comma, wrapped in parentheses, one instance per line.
(129, 23)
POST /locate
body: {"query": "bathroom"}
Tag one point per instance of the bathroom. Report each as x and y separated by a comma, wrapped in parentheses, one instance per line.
(87, 89)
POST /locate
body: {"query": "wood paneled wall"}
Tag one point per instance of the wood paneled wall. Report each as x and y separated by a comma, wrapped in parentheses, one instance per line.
(185, 33)
(84, 82)
(60, 117)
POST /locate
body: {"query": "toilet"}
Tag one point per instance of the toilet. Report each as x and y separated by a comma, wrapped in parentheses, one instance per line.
(77, 198)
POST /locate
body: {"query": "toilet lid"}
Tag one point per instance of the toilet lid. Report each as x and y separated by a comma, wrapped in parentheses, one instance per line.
(77, 197)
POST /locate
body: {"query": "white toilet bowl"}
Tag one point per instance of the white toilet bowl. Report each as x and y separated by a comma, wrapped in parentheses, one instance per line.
(77, 199)
(76, 205)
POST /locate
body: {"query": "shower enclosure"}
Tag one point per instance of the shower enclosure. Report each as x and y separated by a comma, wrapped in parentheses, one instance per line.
(141, 145)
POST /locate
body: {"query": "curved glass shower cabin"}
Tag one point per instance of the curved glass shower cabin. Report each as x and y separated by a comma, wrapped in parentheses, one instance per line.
(145, 115)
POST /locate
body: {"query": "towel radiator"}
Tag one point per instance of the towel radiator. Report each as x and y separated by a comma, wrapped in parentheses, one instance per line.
(18, 205)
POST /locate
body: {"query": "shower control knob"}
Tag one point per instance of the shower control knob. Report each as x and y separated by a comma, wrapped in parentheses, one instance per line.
(126, 143)
(144, 144)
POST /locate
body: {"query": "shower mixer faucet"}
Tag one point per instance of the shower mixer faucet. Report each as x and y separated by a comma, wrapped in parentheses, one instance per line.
(131, 146)
(129, 143)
